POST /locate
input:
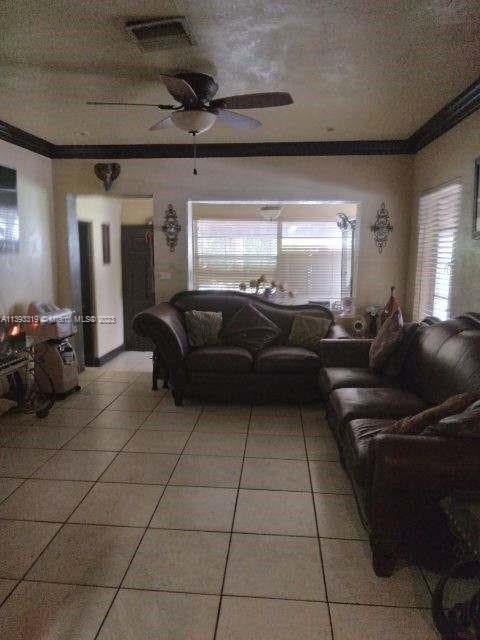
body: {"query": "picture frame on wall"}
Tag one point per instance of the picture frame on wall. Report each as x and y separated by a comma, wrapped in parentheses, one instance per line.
(106, 243)
(476, 201)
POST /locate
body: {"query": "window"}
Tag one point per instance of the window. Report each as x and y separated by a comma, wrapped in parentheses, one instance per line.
(438, 219)
(311, 257)
(9, 227)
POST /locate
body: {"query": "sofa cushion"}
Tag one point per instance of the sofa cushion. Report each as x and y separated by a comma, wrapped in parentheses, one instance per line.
(249, 328)
(331, 378)
(358, 436)
(374, 402)
(285, 359)
(219, 359)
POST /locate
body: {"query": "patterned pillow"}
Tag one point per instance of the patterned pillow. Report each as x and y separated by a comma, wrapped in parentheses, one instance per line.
(414, 425)
(249, 329)
(388, 338)
(308, 332)
(203, 327)
(394, 363)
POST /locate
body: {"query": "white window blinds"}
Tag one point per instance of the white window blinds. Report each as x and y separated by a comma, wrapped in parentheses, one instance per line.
(308, 256)
(438, 220)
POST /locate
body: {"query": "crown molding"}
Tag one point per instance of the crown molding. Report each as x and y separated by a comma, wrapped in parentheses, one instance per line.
(235, 150)
(21, 138)
(451, 114)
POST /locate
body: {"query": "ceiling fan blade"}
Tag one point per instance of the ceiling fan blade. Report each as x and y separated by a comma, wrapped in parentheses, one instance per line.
(237, 120)
(134, 104)
(179, 89)
(162, 124)
(253, 101)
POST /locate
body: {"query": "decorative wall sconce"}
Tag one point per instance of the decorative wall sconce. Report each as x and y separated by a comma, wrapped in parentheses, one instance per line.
(382, 228)
(171, 227)
(107, 172)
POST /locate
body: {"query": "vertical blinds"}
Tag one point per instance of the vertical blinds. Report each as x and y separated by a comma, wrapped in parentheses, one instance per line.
(308, 256)
(438, 220)
(9, 228)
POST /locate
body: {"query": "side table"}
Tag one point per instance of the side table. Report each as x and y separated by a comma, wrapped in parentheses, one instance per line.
(462, 620)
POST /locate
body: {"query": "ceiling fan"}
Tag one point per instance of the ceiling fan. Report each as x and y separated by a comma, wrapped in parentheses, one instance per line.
(198, 111)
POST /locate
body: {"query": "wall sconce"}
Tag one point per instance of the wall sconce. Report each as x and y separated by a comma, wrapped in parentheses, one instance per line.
(107, 173)
(382, 228)
(171, 227)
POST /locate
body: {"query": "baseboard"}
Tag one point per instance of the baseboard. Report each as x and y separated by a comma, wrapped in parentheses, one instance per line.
(98, 362)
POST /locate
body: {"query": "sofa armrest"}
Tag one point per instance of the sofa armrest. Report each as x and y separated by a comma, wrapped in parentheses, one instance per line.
(433, 464)
(408, 476)
(345, 352)
(163, 325)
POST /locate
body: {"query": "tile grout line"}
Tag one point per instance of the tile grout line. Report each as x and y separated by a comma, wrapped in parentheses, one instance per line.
(227, 557)
(117, 589)
(62, 525)
(312, 493)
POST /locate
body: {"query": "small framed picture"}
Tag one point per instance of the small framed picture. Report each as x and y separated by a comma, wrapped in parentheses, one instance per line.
(106, 243)
(476, 200)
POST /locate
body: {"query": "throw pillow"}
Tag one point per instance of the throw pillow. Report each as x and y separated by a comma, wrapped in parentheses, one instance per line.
(394, 363)
(203, 327)
(388, 338)
(249, 329)
(413, 425)
(308, 332)
(461, 425)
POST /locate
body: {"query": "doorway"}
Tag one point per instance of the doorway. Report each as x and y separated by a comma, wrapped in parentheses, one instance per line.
(87, 293)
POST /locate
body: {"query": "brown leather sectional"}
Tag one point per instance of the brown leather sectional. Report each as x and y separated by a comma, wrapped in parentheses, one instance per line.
(278, 372)
(398, 480)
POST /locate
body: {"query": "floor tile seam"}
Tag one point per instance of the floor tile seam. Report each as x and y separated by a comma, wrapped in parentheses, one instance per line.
(227, 558)
(140, 540)
(62, 526)
(323, 573)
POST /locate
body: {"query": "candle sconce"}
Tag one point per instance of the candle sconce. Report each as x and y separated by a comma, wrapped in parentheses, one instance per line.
(382, 228)
(171, 227)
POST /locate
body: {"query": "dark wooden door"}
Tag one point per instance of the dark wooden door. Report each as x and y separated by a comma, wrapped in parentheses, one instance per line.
(138, 281)
(86, 280)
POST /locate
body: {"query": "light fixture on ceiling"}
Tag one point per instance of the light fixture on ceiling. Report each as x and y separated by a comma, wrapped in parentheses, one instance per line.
(194, 120)
(271, 212)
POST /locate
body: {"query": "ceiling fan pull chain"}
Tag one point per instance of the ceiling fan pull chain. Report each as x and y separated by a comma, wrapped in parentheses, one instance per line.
(195, 172)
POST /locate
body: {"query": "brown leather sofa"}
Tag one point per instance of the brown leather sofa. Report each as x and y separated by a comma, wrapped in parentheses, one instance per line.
(224, 372)
(398, 480)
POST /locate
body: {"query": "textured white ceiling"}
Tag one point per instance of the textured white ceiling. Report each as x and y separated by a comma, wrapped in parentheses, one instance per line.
(372, 69)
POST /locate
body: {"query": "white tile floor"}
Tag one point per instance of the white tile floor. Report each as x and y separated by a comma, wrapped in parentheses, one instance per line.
(123, 517)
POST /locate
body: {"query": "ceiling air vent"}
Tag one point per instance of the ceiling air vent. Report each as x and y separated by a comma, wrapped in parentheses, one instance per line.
(160, 33)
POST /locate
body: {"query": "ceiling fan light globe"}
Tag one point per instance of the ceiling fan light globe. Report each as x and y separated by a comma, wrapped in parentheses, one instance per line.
(194, 120)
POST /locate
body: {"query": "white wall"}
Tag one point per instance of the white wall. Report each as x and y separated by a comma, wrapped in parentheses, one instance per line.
(367, 180)
(29, 274)
(107, 278)
(452, 156)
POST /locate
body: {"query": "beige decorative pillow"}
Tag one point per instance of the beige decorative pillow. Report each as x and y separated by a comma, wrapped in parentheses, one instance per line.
(388, 338)
(203, 327)
(308, 331)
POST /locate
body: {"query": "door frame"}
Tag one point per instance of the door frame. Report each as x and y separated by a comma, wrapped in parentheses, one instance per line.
(88, 359)
(73, 260)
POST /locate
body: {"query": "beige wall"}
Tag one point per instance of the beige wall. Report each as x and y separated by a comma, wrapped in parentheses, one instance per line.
(367, 180)
(452, 157)
(136, 210)
(29, 274)
(107, 278)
